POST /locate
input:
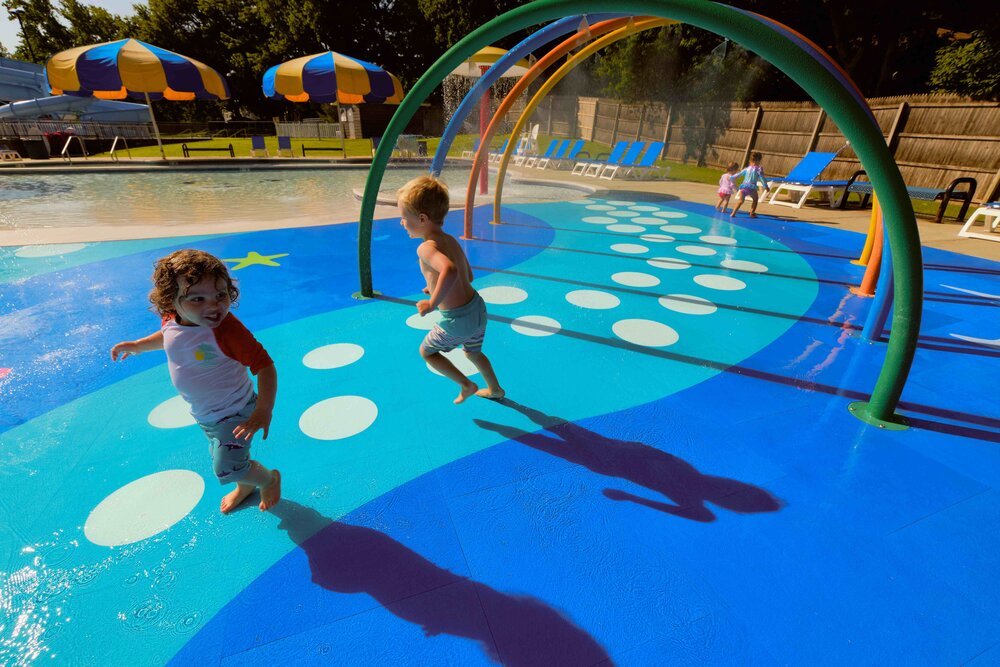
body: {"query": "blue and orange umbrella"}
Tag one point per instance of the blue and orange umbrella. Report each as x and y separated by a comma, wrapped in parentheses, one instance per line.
(331, 77)
(130, 68)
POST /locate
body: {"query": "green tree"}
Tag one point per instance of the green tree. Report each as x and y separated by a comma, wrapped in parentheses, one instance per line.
(48, 30)
(970, 67)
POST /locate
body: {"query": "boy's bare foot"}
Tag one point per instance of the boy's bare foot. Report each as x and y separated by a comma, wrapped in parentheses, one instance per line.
(489, 393)
(232, 500)
(271, 494)
(752, 214)
(468, 389)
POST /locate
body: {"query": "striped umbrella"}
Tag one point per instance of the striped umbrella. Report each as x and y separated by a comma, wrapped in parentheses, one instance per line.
(331, 77)
(130, 68)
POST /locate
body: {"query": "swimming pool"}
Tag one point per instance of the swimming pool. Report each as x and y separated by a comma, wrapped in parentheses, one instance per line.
(206, 196)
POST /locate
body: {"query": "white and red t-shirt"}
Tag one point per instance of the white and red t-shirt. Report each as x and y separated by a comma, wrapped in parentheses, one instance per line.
(209, 366)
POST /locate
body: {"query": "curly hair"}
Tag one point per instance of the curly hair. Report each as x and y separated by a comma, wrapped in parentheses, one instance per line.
(427, 195)
(185, 267)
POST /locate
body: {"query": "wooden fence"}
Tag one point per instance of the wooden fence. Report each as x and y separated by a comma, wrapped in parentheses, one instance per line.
(933, 139)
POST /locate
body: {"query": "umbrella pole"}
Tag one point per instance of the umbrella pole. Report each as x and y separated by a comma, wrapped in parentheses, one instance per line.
(156, 129)
(340, 124)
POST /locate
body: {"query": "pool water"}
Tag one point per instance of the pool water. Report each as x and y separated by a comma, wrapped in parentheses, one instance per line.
(205, 196)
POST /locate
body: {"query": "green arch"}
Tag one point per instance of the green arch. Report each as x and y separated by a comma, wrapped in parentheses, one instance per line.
(850, 117)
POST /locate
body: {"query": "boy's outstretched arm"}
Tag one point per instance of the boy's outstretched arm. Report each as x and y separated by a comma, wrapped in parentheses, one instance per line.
(445, 268)
(260, 419)
(130, 348)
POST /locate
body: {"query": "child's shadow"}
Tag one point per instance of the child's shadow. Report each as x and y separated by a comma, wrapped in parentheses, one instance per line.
(641, 464)
(354, 559)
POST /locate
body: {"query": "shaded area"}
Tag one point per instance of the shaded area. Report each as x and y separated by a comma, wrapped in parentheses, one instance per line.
(520, 630)
(640, 464)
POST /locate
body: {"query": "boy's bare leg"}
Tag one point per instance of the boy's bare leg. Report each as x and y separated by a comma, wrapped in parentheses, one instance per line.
(442, 365)
(737, 207)
(753, 207)
(269, 482)
(232, 500)
(493, 389)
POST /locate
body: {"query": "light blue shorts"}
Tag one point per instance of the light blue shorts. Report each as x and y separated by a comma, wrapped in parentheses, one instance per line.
(465, 326)
(230, 455)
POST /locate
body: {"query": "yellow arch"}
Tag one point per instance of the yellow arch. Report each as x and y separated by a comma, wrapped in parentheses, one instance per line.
(559, 74)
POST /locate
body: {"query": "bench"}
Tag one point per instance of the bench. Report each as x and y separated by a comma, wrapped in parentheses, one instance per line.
(322, 148)
(864, 188)
(188, 150)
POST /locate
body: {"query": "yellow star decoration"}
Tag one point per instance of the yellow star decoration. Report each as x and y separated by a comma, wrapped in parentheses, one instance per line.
(254, 257)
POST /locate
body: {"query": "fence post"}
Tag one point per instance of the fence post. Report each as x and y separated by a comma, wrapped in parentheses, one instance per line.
(991, 193)
(548, 127)
(666, 132)
(814, 139)
(758, 115)
(642, 117)
(902, 113)
(614, 132)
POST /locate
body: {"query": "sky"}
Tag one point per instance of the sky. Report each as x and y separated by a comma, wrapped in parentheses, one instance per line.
(9, 35)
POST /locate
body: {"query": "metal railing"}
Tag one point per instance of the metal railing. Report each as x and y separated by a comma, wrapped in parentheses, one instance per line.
(65, 151)
(114, 147)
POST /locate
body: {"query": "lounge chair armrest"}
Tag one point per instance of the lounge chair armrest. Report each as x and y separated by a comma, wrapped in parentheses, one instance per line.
(602, 156)
(583, 154)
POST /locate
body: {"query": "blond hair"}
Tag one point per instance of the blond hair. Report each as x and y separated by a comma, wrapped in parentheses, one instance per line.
(427, 195)
(181, 269)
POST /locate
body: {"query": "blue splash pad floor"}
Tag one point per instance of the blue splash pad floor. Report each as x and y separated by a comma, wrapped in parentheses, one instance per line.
(675, 478)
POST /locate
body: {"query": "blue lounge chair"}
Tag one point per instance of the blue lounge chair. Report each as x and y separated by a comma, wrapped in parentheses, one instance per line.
(547, 155)
(285, 144)
(472, 153)
(647, 163)
(945, 195)
(585, 167)
(496, 155)
(556, 149)
(571, 155)
(803, 179)
(628, 160)
(257, 146)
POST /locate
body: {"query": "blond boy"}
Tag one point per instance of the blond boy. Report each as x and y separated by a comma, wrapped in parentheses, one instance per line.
(423, 203)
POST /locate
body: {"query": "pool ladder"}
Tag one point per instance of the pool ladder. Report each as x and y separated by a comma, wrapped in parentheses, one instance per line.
(114, 147)
(65, 151)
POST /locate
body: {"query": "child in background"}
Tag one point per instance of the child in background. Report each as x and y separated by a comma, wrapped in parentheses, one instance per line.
(208, 353)
(753, 176)
(726, 187)
(423, 203)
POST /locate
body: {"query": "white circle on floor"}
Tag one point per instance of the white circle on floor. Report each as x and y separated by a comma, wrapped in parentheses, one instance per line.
(50, 250)
(424, 322)
(656, 238)
(600, 220)
(645, 209)
(462, 363)
(171, 413)
(630, 248)
(624, 214)
(718, 240)
(334, 355)
(722, 283)
(690, 305)
(669, 263)
(670, 214)
(338, 417)
(645, 332)
(536, 325)
(646, 221)
(503, 295)
(635, 279)
(743, 265)
(698, 250)
(680, 229)
(600, 207)
(593, 299)
(144, 507)
(581, 202)
(626, 228)
(617, 202)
